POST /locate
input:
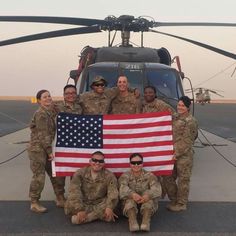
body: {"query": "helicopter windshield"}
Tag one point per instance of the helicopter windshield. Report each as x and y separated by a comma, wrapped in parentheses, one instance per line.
(165, 79)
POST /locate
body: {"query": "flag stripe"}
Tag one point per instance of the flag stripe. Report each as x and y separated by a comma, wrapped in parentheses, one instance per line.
(114, 155)
(135, 126)
(139, 135)
(112, 160)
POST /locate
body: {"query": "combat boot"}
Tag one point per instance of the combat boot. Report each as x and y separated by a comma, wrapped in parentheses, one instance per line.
(133, 224)
(171, 203)
(145, 226)
(37, 207)
(178, 207)
(90, 217)
(60, 200)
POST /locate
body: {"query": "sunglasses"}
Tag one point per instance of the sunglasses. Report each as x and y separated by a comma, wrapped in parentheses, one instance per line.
(97, 161)
(136, 163)
(99, 85)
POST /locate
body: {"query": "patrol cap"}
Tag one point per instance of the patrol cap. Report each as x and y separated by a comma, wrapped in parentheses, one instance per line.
(98, 80)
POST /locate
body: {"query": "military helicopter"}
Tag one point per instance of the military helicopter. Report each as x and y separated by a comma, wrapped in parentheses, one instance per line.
(203, 95)
(142, 65)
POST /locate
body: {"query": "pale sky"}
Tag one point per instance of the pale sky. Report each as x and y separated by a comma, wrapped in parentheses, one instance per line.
(28, 67)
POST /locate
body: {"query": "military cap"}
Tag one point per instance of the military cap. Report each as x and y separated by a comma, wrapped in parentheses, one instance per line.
(98, 80)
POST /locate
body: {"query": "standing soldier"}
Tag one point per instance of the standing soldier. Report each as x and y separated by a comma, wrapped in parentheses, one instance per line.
(97, 101)
(40, 151)
(69, 104)
(139, 188)
(152, 104)
(93, 193)
(185, 130)
(125, 102)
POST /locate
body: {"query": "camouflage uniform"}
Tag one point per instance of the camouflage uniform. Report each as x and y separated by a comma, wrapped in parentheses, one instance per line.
(125, 105)
(146, 183)
(92, 195)
(42, 134)
(156, 106)
(97, 104)
(61, 106)
(185, 130)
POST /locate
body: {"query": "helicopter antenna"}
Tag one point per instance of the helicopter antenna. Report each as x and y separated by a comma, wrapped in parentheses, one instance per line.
(218, 73)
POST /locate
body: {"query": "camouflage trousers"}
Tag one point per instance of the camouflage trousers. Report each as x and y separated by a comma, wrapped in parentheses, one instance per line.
(177, 184)
(98, 209)
(39, 164)
(130, 203)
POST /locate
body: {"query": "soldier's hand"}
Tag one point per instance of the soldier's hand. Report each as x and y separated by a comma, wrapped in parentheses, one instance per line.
(50, 157)
(82, 215)
(136, 197)
(145, 198)
(110, 215)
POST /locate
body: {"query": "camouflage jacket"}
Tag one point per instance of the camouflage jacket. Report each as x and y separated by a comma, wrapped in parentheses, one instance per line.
(185, 131)
(125, 105)
(156, 106)
(61, 106)
(43, 129)
(97, 104)
(86, 190)
(146, 183)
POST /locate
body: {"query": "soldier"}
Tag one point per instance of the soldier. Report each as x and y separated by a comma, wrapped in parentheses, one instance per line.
(97, 101)
(185, 130)
(126, 102)
(152, 103)
(40, 151)
(139, 188)
(93, 193)
(69, 104)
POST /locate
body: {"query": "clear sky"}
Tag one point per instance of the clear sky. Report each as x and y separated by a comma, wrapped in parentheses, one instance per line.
(27, 67)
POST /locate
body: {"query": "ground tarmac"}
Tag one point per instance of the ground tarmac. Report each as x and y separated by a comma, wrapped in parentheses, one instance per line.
(212, 207)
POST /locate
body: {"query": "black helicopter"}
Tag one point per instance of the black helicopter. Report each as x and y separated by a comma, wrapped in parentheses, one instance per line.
(143, 66)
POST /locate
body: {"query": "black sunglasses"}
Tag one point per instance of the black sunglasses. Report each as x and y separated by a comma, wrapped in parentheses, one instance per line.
(97, 161)
(99, 85)
(136, 163)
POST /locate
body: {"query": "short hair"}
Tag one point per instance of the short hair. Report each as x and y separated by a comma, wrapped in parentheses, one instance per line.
(151, 87)
(135, 155)
(69, 86)
(186, 100)
(98, 153)
(40, 92)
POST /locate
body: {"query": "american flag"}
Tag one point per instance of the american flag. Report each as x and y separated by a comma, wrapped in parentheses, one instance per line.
(117, 136)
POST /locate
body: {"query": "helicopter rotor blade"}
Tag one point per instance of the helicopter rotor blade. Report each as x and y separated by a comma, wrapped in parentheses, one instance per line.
(209, 47)
(53, 20)
(51, 34)
(212, 91)
(163, 24)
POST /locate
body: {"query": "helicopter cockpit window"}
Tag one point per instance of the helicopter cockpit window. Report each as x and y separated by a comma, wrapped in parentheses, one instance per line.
(135, 77)
(165, 82)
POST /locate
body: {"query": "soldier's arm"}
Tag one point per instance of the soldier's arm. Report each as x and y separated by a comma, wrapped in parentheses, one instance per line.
(154, 190)
(74, 202)
(44, 137)
(125, 191)
(138, 106)
(112, 192)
